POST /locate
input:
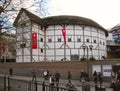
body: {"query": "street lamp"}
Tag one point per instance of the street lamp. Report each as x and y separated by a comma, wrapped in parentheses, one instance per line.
(91, 47)
(86, 47)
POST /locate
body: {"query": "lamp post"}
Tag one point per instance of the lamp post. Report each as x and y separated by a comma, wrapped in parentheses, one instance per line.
(86, 47)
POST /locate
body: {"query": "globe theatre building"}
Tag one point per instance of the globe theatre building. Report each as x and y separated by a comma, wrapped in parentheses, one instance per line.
(42, 39)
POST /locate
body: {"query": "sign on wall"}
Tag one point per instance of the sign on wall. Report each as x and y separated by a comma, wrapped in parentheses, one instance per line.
(107, 70)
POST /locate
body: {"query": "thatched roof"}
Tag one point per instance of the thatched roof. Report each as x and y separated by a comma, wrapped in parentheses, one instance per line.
(60, 20)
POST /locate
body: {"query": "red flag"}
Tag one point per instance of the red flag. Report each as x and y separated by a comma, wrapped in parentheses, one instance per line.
(4, 47)
(34, 40)
(64, 34)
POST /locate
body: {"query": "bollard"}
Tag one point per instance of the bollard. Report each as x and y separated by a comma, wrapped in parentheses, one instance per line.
(43, 86)
(35, 85)
(8, 83)
(5, 83)
(95, 87)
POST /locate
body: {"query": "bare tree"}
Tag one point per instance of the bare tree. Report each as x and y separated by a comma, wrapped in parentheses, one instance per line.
(10, 8)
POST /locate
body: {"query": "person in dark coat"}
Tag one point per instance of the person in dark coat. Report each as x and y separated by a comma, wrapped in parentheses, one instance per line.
(11, 71)
(100, 77)
(69, 77)
(95, 77)
(84, 75)
(118, 75)
(57, 77)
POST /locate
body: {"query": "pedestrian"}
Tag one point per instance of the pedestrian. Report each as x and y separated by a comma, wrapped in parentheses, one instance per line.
(34, 75)
(52, 82)
(115, 84)
(46, 74)
(118, 75)
(57, 77)
(95, 77)
(84, 75)
(85, 85)
(69, 77)
(11, 71)
(100, 77)
(113, 74)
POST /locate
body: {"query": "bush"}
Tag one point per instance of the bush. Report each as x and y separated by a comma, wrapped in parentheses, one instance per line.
(83, 59)
(92, 58)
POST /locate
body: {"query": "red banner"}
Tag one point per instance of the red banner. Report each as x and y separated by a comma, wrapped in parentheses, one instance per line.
(4, 47)
(34, 40)
(64, 34)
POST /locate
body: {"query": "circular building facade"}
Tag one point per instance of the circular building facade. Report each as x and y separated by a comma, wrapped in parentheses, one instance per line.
(81, 38)
(58, 38)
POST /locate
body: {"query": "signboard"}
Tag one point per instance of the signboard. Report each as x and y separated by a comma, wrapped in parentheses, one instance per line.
(107, 70)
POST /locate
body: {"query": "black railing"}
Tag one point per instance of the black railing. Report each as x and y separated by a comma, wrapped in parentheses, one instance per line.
(11, 84)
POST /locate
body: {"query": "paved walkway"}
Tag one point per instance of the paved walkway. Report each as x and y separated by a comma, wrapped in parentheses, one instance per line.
(77, 83)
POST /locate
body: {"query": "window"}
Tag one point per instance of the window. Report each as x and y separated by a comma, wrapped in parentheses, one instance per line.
(59, 39)
(41, 50)
(78, 40)
(49, 40)
(69, 39)
(41, 39)
(94, 41)
(87, 40)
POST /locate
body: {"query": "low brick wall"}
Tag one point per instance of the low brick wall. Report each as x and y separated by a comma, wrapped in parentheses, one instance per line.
(62, 67)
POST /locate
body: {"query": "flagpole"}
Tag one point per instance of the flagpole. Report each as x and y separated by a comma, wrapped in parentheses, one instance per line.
(64, 52)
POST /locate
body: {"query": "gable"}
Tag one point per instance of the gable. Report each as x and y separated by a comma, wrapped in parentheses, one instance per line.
(25, 15)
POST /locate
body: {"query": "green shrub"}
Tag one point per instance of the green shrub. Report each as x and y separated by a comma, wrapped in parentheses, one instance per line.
(82, 59)
(92, 58)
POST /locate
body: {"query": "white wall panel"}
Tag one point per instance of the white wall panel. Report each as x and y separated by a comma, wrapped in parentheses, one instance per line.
(69, 32)
(51, 45)
(60, 52)
(74, 51)
(19, 58)
(19, 51)
(77, 27)
(79, 32)
(35, 51)
(49, 52)
(27, 58)
(35, 59)
(26, 51)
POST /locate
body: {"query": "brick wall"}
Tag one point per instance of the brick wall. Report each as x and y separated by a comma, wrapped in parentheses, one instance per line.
(62, 67)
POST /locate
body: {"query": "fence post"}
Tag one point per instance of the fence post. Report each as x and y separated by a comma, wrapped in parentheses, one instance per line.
(5, 83)
(35, 85)
(8, 83)
(43, 86)
(95, 87)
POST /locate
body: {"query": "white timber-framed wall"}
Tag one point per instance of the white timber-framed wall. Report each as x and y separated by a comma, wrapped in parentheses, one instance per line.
(50, 41)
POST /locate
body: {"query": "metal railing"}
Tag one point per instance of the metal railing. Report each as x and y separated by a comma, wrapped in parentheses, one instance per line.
(10, 84)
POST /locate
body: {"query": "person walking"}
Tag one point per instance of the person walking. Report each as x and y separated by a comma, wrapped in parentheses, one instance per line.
(100, 77)
(69, 77)
(57, 77)
(11, 71)
(34, 75)
(84, 75)
(95, 77)
(118, 75)
(52, 82)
